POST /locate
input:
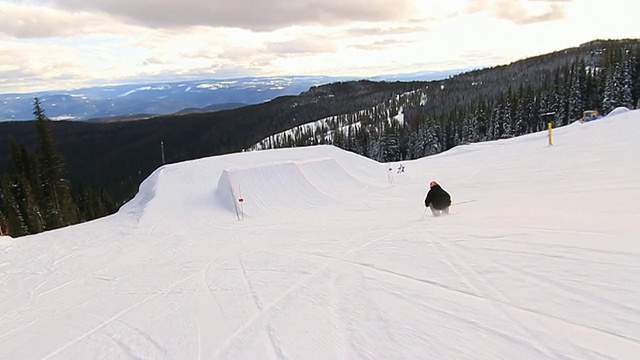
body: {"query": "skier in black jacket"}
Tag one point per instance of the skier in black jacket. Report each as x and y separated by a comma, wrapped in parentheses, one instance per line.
(437, 199)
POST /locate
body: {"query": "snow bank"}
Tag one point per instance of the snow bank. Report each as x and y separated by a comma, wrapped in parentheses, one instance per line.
(618, 111)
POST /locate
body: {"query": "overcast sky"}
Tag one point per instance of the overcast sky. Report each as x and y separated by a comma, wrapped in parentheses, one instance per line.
(66, 44)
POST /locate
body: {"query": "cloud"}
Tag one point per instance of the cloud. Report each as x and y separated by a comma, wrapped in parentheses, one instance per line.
(51, 67)
(381, 45)
(381, 31)
(475, 6)
(520, 12)
(306, 45)
(28, 21)
(255, 15)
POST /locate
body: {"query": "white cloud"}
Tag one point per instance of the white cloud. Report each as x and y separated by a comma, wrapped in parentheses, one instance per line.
(29, 21)
(257, 15)
(520, 11)
(57, 44)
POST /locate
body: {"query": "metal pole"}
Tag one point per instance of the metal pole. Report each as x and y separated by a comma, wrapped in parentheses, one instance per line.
(162, 149)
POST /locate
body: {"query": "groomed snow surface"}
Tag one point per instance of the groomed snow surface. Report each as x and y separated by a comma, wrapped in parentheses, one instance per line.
(540, 258)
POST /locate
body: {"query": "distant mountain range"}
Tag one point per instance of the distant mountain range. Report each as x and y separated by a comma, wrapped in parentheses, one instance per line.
(124, 102)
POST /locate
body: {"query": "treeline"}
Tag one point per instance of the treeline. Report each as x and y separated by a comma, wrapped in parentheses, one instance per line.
(35, 194)
(471, 108)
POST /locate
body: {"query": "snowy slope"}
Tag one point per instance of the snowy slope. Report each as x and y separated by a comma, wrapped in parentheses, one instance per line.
(539, 259)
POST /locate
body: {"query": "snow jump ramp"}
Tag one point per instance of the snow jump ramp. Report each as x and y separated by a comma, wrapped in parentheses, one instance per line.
(285, 186)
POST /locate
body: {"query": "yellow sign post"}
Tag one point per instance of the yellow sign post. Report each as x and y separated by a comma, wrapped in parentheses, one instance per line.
(550, 133)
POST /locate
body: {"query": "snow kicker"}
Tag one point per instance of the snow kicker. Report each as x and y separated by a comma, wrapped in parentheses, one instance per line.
(285, 186)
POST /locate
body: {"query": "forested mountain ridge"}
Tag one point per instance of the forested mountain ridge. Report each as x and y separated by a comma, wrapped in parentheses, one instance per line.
(481, 105)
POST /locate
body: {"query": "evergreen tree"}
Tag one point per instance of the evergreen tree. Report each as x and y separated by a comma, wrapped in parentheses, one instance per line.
(15, 223)
(91, 205)
(433, 145)
(55, 195)
(619, 82)
(482, 123)
(594, 83)
(612, 90)
(25, 186)
(520, 116)
(577, 91)
(560, 101)
(636, 79)
(627, 78)
(3, 215)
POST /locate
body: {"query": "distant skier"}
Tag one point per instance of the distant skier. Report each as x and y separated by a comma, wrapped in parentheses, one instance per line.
(437, 199)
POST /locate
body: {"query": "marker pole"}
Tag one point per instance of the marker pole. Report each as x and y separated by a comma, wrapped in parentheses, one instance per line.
(241, 201)
(390, 176)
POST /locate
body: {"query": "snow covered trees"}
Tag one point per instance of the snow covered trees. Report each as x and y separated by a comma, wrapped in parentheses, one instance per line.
(478, 107)
(619, 83)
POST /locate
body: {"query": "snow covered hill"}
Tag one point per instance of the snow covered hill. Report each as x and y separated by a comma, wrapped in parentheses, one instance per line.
(330, 255)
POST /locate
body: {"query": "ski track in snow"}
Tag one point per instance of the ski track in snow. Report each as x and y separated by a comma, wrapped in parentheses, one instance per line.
(486, 290)
(263, 314)
(346, 268)
(108, 321)
(592, 298)
(500, 302)
(260, 325)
